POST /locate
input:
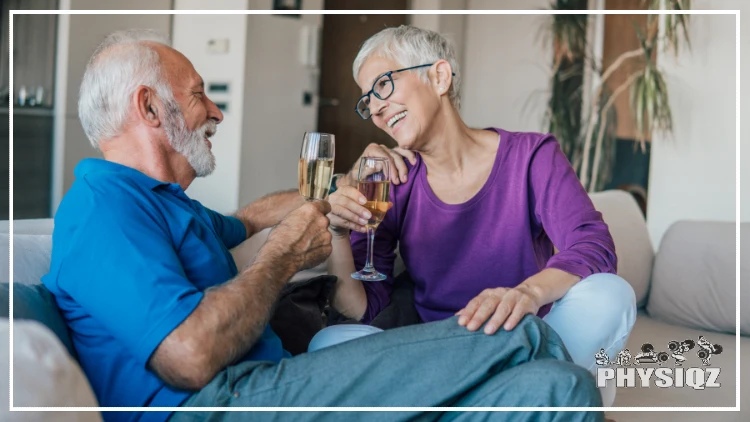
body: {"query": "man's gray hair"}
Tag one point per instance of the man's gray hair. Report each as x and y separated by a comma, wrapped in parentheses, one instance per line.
(411, 46)
(121, 63)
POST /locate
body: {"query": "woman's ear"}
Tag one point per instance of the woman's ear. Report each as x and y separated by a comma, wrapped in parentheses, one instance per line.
(443, 76)
(147, 107)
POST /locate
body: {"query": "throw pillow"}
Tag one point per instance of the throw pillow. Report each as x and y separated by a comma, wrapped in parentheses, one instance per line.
(44, 375)
(35, 302)
(694, 282)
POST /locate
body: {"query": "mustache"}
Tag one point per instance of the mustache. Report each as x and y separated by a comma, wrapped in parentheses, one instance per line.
(209, 128)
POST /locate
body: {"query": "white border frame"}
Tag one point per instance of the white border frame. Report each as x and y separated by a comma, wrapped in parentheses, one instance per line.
(736, 13)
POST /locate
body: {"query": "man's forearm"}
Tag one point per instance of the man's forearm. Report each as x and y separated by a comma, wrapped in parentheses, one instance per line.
(226, 324)
(269, 210)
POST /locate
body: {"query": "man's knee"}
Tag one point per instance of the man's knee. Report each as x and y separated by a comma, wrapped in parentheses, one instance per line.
(583, 391)
(537, 330)
(568, 384)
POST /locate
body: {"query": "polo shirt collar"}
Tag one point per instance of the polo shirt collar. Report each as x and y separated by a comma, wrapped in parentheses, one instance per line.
(95, 165)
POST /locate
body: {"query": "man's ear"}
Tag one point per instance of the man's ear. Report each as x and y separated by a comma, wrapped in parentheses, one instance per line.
(147, 107)
(442, 76)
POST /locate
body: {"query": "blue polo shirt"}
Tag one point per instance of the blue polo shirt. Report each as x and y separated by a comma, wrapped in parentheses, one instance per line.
(131, 257)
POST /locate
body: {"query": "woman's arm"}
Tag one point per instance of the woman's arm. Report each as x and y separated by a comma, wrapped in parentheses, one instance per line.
(560, 205)
(361, 301)
(563, 208)
(506, 307)
(349, 296)
(550, 284)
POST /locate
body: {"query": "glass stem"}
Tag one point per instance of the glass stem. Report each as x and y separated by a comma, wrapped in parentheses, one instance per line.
(370, 241)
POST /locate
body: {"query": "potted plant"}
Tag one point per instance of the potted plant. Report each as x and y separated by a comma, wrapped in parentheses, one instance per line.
(586, 129)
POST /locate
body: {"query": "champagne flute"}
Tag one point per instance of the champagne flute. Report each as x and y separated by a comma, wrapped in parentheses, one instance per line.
(315, 169)
(374, 182)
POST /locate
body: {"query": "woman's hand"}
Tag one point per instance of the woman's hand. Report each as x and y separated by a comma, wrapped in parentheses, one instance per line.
(395, 158)
(501, 306)
(347, 211)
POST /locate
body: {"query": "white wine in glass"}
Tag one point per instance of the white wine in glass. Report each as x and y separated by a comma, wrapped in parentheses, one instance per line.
(374, 183)
(315, 169)
(378, 195)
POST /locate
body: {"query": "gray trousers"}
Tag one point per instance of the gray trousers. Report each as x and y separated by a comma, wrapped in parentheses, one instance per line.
(434, 364)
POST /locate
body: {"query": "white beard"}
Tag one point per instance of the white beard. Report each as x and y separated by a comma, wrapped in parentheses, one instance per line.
(191, 144)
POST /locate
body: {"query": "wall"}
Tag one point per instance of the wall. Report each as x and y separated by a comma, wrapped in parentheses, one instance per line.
(692, 176)
(78, 36)
(257, 145)
(453, 27)
(191, 34)
(275, 117)
(506, 67)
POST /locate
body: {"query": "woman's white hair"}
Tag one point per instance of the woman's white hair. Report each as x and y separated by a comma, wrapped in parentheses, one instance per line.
(121, 63)
(411, 46)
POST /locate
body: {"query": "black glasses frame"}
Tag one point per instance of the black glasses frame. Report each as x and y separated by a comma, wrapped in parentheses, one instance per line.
(390, 78)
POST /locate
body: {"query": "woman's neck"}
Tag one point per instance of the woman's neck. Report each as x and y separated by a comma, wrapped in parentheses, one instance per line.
(453, 146)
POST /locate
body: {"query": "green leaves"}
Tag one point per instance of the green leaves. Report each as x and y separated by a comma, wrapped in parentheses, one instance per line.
(564, 107)
(675, 26)
(582, 131)
(649, 100)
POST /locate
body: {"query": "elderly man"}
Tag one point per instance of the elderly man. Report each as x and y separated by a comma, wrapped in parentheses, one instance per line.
(161, 317)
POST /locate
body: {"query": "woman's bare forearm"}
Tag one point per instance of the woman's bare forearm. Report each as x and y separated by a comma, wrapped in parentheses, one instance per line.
(550, 284)
(349, 297)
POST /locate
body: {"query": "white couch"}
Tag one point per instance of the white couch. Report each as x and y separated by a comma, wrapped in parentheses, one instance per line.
(686, 290)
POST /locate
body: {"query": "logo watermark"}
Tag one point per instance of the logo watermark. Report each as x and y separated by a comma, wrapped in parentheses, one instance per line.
(624, 373)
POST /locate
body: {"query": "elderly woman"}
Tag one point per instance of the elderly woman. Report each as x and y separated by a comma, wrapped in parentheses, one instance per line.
(476, 213)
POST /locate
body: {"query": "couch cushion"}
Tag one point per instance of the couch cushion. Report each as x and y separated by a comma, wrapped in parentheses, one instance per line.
(31, 257)
(36, 303)
(30, 226)
(635, 253)
(44, 375)
(659, 334)
(694, 281)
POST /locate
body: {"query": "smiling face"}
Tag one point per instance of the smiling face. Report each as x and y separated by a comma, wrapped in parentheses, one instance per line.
(192, 118)
(410, 110)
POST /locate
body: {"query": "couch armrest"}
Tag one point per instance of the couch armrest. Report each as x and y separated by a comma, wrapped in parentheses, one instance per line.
(635, 253)
(245, 253)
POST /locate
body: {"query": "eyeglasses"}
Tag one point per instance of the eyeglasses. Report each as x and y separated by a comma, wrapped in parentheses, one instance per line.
(382, 89)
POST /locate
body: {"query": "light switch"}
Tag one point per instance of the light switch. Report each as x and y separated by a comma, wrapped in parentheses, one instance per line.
(218, 46)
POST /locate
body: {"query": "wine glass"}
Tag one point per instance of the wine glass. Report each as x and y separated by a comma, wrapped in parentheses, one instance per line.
(316, 165)
(374, 182)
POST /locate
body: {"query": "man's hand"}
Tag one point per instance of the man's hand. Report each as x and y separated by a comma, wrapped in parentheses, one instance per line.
(504, 306)
(232, 316)
(395, 158)
(301, 238)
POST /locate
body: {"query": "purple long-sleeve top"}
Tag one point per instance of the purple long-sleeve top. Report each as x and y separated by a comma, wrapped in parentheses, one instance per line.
(531, 201)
